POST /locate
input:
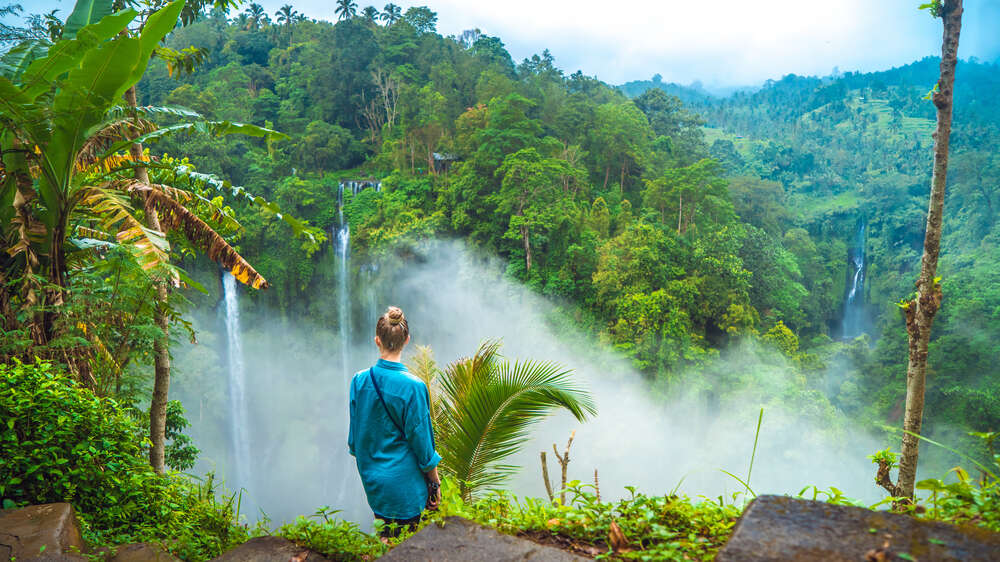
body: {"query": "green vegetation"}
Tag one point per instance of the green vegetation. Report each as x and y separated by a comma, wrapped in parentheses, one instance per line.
(62, 443)
(638, 527)
(668, 224)
(483, 406)
(611, 205)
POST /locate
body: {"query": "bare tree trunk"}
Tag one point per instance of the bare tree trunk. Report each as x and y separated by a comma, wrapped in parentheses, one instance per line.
(526, 237)
(545, 478)
(921, 310)
(621, 182)
(563, 463)
(161, 351)
(680, 212)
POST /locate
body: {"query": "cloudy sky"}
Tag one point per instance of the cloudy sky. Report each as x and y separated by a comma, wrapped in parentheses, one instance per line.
(719, 42)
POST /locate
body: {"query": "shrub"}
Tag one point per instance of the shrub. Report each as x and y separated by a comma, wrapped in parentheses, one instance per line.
(61, 443)
(667, 527)
(334, 538)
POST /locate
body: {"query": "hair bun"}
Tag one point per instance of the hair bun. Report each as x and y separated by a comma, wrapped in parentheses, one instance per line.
(395, 315)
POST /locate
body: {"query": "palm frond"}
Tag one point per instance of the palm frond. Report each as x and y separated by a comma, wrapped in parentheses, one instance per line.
(93, 151)
(174, 215)
(123, 111)
(425, 368)
(488, 405)
(115, 213)
(314, 236)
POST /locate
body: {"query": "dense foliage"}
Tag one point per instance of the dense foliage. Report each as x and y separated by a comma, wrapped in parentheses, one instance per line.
(853, 149)
(671, 224)
(62, 443)
(669, 238)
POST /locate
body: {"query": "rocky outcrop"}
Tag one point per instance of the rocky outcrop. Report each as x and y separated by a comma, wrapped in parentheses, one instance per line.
(461, 540)
(781, 528)
(41, 532)
(270, 549)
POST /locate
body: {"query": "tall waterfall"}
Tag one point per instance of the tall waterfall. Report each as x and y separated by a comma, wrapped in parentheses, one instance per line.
(238, 419)
(343, 248)
(854, 303)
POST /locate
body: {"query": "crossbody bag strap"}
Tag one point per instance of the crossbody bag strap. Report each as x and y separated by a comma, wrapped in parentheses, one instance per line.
(371, 374)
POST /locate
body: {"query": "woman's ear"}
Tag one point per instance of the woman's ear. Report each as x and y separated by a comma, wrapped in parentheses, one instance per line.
(407, 339)
(378, 342)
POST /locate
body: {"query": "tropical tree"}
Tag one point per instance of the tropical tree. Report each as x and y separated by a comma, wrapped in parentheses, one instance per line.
(370, 13)
(346, 9)
(286, 15)
(64, 179)
(256, 16)
(921, 308)
(484, 405)
(391, 13)
(533, 197)
(421, 18)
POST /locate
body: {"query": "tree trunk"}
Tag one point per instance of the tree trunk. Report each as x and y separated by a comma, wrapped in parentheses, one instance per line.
(526, 237)
(680, 211)
(920, 311)
(621, 183)
(161, 351)
(607, 174)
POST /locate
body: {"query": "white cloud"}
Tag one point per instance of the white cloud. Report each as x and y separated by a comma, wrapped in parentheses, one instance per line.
(720, 42)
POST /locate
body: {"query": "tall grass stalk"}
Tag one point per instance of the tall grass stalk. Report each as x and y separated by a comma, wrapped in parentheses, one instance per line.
(753, 455)
(756, 437)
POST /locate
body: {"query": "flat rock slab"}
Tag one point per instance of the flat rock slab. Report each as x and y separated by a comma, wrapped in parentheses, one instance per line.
(461, 540)
(40, 532)
(136, 552)
(783, 528)
(270, 549)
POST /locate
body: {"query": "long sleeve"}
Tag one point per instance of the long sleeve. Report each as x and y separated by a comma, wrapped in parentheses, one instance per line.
(420, 431)
(350, 425)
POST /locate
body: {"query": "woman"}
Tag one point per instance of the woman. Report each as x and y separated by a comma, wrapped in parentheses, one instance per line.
(390, 434)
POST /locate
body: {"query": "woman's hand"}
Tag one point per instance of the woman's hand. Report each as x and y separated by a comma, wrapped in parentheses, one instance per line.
(433, 489)
(433, 496)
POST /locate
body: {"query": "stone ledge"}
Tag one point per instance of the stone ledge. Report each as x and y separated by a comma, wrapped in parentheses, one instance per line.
(461, 540)
(41, 532)
(774, 528)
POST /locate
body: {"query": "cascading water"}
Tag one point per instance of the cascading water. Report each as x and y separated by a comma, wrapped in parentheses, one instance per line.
(238, 420)
(854, 305)
(343, 242)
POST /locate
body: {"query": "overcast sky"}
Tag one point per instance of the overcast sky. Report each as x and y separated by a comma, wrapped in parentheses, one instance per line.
(719, 42)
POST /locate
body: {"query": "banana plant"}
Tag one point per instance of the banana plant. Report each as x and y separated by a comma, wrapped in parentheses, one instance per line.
(62, 131)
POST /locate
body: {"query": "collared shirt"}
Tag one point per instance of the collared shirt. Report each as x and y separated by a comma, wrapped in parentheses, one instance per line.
(392, 465)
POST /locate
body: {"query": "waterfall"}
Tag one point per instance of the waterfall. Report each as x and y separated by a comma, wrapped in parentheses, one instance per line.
(853, 323)
(343, 248)
(238, 418)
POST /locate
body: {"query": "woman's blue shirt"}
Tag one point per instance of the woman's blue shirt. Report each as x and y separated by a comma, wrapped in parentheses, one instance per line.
(392, 465)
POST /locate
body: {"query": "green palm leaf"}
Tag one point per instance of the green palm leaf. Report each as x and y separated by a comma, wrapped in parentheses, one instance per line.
(487, 406)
